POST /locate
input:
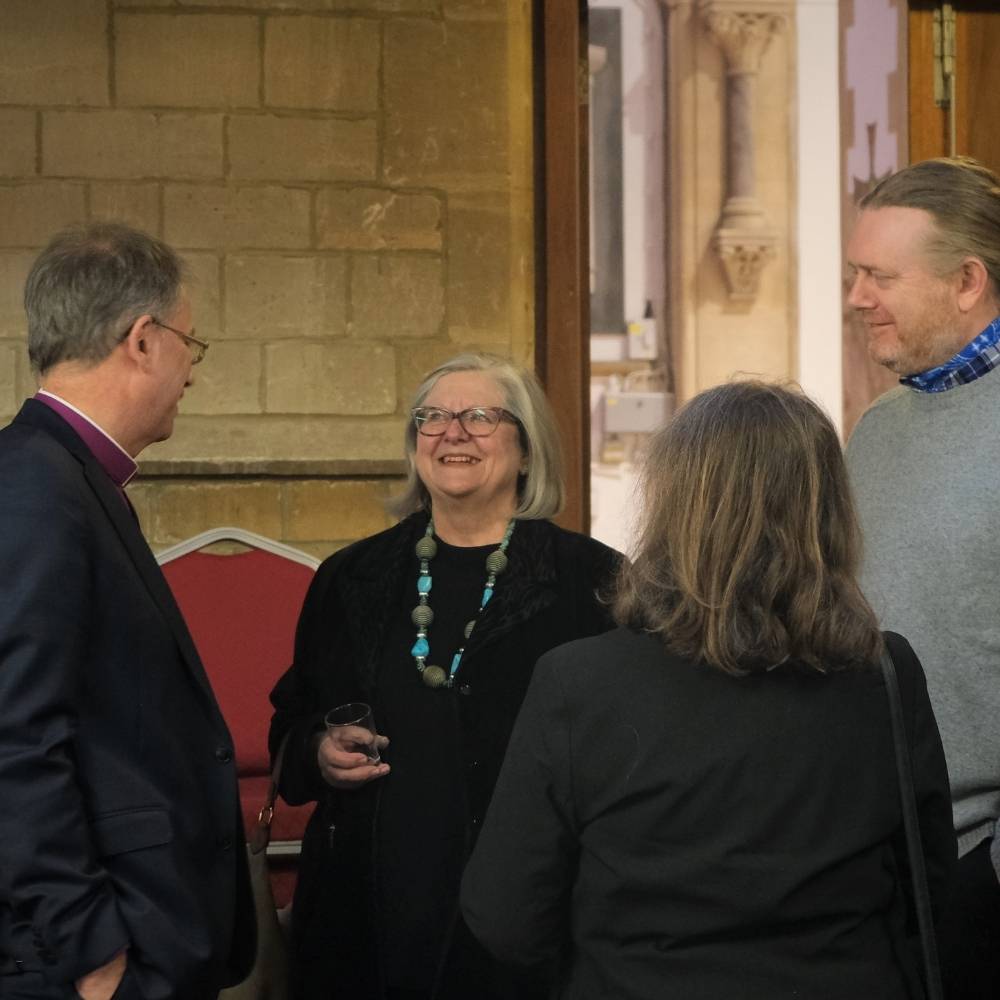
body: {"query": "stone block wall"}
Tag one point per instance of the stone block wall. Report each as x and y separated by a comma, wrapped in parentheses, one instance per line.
(350, 183)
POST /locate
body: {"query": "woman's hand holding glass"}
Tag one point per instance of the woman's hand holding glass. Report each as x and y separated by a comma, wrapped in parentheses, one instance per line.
(349, 754)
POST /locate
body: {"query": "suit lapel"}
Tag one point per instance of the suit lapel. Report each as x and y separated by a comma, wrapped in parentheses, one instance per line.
(126, 527)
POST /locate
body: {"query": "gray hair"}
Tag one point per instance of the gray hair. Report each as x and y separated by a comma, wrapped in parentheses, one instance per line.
(540, 490)
(962, 197)
(89, 285)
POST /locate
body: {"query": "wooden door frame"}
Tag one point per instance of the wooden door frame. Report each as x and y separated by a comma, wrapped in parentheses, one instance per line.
(562, 246)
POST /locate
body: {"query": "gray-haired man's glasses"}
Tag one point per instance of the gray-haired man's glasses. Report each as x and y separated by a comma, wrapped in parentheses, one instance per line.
(476, 421)
(195, 346)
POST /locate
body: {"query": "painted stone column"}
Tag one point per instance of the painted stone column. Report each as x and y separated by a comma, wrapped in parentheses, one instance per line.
(743, 240)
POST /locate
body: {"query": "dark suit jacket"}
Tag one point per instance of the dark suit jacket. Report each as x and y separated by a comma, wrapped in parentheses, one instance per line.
(661, 828)
(119, 819)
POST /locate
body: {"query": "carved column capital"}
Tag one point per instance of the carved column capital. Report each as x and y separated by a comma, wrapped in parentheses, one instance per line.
(743, 34)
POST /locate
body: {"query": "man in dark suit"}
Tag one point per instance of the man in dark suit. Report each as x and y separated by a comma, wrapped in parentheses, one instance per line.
(121, 866)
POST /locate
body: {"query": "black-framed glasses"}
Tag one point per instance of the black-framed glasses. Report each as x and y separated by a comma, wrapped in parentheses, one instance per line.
(476, 421)
(195, 346)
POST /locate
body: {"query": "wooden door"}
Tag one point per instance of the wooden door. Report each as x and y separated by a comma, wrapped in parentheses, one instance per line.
(976, 108)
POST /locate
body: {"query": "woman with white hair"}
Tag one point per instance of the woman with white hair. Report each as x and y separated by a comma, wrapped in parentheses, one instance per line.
(436, 623)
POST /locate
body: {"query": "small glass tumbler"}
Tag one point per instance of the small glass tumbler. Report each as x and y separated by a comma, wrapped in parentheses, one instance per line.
(352, 728)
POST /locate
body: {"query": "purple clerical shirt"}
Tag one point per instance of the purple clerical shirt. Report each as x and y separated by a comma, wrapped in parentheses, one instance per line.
(112, 457)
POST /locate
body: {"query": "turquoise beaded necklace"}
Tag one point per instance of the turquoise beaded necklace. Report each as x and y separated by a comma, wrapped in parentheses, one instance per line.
(422, 615)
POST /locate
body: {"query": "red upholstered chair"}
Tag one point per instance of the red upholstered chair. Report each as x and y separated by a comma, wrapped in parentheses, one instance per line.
(241, 609)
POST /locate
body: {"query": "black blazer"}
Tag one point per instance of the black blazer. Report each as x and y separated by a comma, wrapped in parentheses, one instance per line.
(119, 824)
(661, 828)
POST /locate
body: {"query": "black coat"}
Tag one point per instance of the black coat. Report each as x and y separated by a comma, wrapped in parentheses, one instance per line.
(120, 823)
(546, 597)
(663, 829)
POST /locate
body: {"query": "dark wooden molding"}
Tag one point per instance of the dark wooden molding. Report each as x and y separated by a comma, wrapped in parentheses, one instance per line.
(562, 354)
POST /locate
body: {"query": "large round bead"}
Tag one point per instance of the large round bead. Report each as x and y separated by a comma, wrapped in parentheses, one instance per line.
(426, 548)
(496, 562)
(469, 626)
(433, 676)
(422, 616)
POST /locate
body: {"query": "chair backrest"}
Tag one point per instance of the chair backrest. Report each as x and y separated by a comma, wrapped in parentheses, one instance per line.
(241, 610)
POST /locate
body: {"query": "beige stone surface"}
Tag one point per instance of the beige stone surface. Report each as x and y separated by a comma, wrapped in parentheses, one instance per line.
(315, 509)
(204, 280)
(33, 212)
(227, 381)
(418, 360)
(452, 129)
(188, 61)
(131, 144)
(479, 269)
(368, 6)
(395, 296)
(490, 10)
(14, 267)
(321, 63)
(370, 218)
(141, 495)
(272, 297)
(135, 204)
(275, 436)
(9, 400)
(181, 510)
(236, 217)
(26, 382)
(18, 148)
(53, 52)
(278, 148)
(339, 377)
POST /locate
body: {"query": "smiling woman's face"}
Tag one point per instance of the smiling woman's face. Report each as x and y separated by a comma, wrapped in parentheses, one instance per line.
(456, 466)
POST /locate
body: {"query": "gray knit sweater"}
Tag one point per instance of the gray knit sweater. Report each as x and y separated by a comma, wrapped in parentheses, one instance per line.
(926, 474)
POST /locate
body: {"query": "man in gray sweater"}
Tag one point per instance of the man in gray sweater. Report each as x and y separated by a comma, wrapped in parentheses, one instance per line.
(925, 464)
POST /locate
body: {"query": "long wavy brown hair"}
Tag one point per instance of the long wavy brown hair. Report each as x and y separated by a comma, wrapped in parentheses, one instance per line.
(749, 540)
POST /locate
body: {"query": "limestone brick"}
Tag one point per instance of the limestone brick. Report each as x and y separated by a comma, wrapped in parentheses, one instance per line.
(378, 219)
(479, 264)
(17, 152)
(397, 296)
(271, 297)
(54, 52)
(387, 6)
(197, 60)
(316, 509)
(273, 148)
(145, 3)
(131, 144)
(452, 130)
(339, 377)
(493, 10)
(227, 381)
(141, 496)
(9, 401)
(275, 436)
(181, 510)
(322, 63)
(234, 217)
(33, 212)
(137, 205)
(421, 358)
(204, 289)
(14, 269)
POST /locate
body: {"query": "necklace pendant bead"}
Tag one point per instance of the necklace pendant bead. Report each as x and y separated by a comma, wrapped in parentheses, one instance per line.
(487, 594)
(422, 616)
(433, 676)
(469, 626)
(496, 562)
(423, 584)
(421, 647)
(426, 548)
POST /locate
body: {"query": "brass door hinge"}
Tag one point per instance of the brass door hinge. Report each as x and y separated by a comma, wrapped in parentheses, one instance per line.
(944, 55)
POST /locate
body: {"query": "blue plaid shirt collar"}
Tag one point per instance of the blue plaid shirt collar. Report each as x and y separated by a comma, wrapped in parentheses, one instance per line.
(973, 361)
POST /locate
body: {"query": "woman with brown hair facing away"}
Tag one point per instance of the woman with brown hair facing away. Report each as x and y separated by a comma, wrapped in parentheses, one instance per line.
(703, 804)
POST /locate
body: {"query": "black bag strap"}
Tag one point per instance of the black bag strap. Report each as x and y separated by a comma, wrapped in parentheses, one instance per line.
(914, 850)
